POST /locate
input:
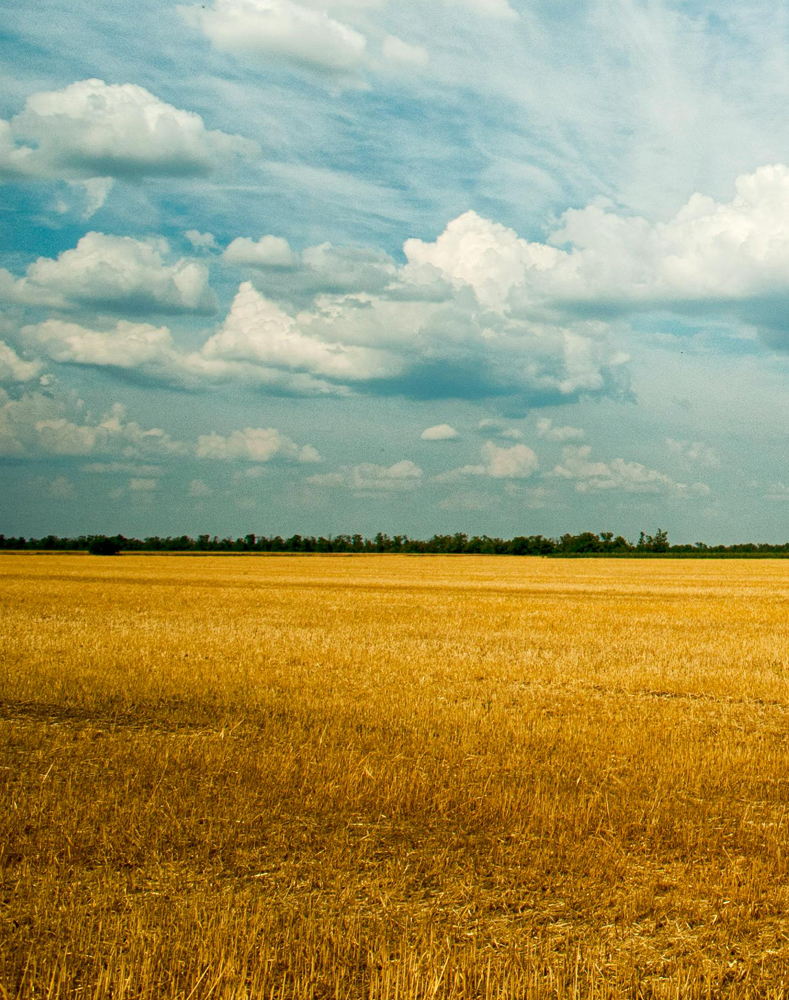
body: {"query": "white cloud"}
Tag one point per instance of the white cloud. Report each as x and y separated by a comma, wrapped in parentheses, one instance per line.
(254, 444)
(466, 501)
(484, 255)
(363, 341)
(14, 159)
(441, 432)
(368, 477)
(95, 191)
(198, 489)
(327, 479)
(692, 453)
(268, 251)
(532, 497)
(491, 425)
(128, 345)
(59, 488)
(727, 257)
(250, 472)
(259, 332)
(546, 429)
(426, 349)
(343, 319)
(150, 351)
(115, 274)
(259, 31)
(516, 462)
(39, 424)
(397, 51)
(121, 468)
(499, 9)
(333, 269)
(15, 369)
(92, 129)
(630, 477)
(201, 241)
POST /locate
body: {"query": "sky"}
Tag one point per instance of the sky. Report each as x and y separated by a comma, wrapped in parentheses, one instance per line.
(496, 266)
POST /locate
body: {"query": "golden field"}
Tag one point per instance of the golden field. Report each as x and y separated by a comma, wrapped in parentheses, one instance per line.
(393, 777)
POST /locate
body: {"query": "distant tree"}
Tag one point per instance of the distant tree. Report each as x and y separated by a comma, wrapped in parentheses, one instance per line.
(654, 543)
(100, 545)
(660, 541)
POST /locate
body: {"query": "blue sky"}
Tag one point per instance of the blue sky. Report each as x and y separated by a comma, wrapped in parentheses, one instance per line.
(356, 265)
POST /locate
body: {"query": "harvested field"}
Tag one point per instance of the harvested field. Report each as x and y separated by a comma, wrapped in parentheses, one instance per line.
(393, 777)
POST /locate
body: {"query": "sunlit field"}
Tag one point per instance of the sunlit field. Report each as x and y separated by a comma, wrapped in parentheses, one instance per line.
(393, 777)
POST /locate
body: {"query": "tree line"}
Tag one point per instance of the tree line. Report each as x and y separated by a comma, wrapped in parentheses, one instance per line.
(586, 543)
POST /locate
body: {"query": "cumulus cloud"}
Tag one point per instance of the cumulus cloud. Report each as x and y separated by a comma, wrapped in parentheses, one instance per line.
(15, 369)
(499, 9)
(483, 255)
(92, 129)
(331, 269)
(630, 477)
(441, 432)
(199, 489)
(692, 453)
(490, 425)
(143, 485)
(14, 158)
(377, 343)
(327, 479)
(114, 274)
(254, 444)
(340, 320)
(258, 331)
(95, 191)
(371, 478)
(59, 488)
(122, 468)
(714, 252)
(201, 241)
(368, 476)
(140, 350)
(268, 251)
(720, 258)
(546, 429)
(261, 31)
(146, 352)
(397, 51)
(38, 424)
(516, 462)
(357, 343)
(321, 270)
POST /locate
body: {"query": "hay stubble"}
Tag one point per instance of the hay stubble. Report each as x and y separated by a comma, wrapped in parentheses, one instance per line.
(393, 777)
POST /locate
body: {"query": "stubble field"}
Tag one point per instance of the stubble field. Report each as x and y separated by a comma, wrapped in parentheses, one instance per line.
(393, 777)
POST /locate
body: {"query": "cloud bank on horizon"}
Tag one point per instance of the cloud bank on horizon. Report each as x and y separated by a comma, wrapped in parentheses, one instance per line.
(519, 267)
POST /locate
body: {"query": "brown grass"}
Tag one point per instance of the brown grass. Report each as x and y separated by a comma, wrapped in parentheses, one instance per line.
(392, 777)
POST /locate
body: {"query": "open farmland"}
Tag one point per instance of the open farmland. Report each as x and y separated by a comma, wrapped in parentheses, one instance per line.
(391, 776)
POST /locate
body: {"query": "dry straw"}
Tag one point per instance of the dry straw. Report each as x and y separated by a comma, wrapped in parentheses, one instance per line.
(387, 777)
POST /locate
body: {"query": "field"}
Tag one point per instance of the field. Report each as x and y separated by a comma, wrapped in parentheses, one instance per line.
(393, 777)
